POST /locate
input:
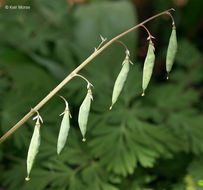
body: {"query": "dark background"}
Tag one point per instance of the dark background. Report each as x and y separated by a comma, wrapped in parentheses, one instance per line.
(152, 142)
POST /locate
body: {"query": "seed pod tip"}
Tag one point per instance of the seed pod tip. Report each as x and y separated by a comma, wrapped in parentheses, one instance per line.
(84, 139)
(27, 179)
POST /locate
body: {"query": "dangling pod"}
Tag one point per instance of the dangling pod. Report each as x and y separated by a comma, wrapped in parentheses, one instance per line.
(121, 79)
(34, 146)
(64, 129)
(148, 66)
(84, 113)
(172, 49)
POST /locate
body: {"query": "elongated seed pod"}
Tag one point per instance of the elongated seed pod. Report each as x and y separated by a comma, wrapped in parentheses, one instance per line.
(148, 67)
(84, 113)
(172, 49)
(33, 149)
(63, 133)
(120, 81)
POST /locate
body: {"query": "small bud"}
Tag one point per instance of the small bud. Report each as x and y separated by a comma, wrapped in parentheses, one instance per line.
(102, 38)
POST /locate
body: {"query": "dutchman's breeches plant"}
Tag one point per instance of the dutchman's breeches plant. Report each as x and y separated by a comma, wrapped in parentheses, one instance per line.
(86, 104)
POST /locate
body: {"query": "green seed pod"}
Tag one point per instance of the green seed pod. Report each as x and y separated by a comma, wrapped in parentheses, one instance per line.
(33, 149)
(64, 129)
(171, 52)
(148, 66)
(120, 81)
(84, 113)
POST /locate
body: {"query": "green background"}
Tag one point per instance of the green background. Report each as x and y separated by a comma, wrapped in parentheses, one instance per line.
(152, 142)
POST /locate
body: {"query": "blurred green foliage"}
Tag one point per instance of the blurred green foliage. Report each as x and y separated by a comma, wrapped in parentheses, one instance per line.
(153, 142)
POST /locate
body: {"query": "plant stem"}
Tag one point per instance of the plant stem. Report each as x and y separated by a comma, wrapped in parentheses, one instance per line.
(88, 82)
(72, 74)
(148, 32)
(126, 48)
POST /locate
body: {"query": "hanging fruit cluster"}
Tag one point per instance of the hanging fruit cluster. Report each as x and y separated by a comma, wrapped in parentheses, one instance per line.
(117, 89)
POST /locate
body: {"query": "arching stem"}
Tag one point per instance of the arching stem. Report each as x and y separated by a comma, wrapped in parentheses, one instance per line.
(150, 37)
(67, 107)
(123, 44)
(89, 84)
(173, 21)
(72, 74)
